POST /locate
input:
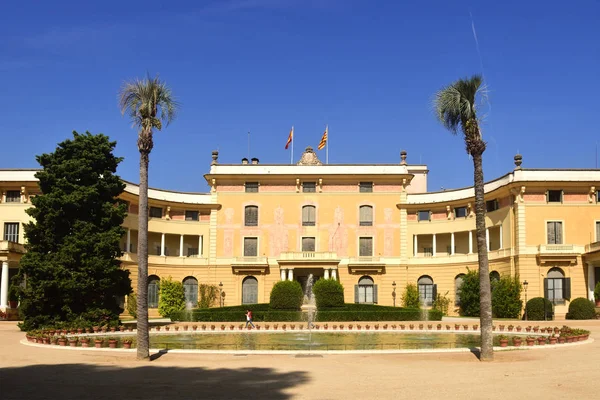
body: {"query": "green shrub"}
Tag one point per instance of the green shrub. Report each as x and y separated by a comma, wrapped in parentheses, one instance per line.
(581, 308)
(441, 303)
(132, 305)
(328, 293)
(469, 295)
(597, 292)
(536, 307)
(171, 298)
(237, 316)
(286, 295)
(399, 314)
(411, 298)
(208, 295)
(506, 297)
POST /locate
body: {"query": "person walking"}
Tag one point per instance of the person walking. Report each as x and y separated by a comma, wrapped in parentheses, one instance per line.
(249, 318)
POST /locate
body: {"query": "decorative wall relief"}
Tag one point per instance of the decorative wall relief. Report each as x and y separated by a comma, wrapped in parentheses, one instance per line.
(278, 234)
(388, 233)
(338, 234)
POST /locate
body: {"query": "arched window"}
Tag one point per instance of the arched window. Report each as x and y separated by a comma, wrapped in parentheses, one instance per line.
(494, 276)
(427, 290)
(309, 214)
(365, 291)
(190, 288)
(251, 216)
(250, 290)
(556, 286)
(153, 289)
(366, 216)
(458, 281)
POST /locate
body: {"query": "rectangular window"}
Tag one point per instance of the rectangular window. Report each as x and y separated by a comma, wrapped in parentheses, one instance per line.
(155, 212)
(365, 187)
(13, 196)
(191, 215)
(308, 244)
(11, 232)
(424, 215)
(460, 212)
(365, 294)
(309, 187)
(365, 247)
(554, 196)
(308, 215)
(491, 205)
(251, 216)
(597, 231)
(426, 294)
(251, 187)
(555, 289)
(554, 232)
(250, 247)
(366, 216)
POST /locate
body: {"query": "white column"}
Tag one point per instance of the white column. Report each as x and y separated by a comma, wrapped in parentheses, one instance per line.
(200, 245)
(282, 273)
(4, 286)
(128, 242)
(591, 280)
(181, 246)
(452, 243)
(501, 244)
(434, 245)
(487, 238)
(326, 273)
(290, 274)
(470, 242)
(162, 245)
(415, 245)
(334, 274)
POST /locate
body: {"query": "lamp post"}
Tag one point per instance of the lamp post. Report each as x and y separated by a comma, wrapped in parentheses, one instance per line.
(394, 292)
(220, 294)
(525, 283)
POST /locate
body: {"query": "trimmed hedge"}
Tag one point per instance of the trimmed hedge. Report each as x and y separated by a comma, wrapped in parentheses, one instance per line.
(400, 314)
(286, 295)
(328, 293)
(535, 309)
(581, 308)
(237, 316)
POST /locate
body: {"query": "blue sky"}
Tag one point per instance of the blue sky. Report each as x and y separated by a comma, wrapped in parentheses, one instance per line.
(368, 69)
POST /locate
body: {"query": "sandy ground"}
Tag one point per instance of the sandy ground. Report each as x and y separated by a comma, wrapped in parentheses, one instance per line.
(44, 373)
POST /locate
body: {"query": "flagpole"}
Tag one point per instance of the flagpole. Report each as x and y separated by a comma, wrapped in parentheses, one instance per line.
(292, 156)
(327, 145)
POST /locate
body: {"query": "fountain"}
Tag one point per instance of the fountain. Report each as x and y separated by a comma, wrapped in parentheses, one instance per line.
(188, 310)
(309, 307)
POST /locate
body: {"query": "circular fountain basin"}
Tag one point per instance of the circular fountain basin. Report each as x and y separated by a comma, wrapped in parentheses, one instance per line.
(314, 341)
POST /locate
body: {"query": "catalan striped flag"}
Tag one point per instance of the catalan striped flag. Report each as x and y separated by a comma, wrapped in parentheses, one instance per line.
(323, 141)
(290, 138)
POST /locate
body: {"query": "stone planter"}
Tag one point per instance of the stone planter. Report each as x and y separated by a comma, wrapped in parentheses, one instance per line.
(503, 342)
(530, 342)
(517, 342)
(85, 342)
(541, 341)
(73, 343)
(112, 343)
(552, 340)
(98, 343)
(126, 345)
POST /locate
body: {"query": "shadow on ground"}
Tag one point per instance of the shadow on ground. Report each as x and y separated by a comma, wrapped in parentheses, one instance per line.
(84, 381)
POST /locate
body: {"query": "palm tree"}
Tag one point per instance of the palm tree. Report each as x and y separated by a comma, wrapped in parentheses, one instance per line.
(149, 103)
(455, 108)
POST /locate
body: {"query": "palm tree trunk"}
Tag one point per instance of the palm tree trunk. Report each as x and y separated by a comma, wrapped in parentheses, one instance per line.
(143, 336)
(485, 294)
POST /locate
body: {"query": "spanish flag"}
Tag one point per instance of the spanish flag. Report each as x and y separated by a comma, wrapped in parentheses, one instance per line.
(323, 141)
(290, 138)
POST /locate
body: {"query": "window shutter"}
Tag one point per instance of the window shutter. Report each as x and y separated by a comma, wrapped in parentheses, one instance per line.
(375, 294)
(545, 288)
(567, 288)
(356, 294)
(550, 233)
(597, 231)
(558, 233)
(434, 292)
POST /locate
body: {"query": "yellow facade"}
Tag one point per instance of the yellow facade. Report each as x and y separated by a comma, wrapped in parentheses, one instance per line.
(262, 223)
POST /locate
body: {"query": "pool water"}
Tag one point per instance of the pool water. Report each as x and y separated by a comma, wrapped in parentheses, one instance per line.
(315, 341)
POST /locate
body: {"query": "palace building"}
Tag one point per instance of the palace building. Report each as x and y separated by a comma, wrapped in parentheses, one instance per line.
(373, 227)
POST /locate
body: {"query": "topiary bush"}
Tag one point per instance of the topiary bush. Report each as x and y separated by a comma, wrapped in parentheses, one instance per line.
(410, 297)
(597, 292)
(535, 309)
(132, 304)
(171, 298)
(469, 295)
(506, 297)
(208, 295)
(328, 293)
(286, 295)
(581, 308)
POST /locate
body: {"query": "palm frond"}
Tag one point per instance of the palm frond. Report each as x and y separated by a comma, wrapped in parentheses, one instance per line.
(455, 104)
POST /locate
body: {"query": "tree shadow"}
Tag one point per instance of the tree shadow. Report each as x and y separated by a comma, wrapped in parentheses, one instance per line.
(85, 381)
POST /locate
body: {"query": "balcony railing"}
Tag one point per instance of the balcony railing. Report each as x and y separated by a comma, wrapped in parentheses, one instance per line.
(365, 260)
(308, 256)
(557, 248)
(251, 260)
(167, 260)
(592, 247)
(11, 247)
